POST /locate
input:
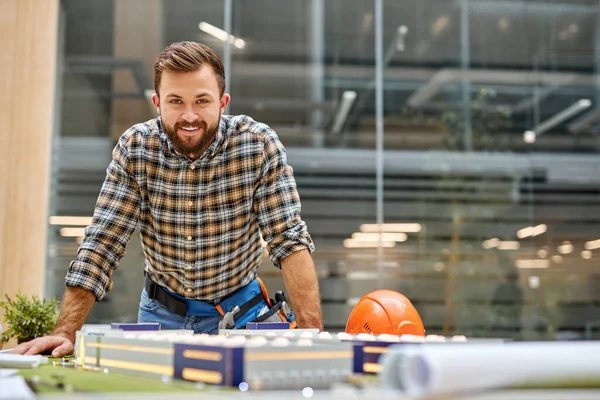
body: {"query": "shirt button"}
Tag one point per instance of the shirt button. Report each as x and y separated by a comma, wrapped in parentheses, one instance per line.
(189, 238)
(189, 290)
(192, 166)
(190, 203)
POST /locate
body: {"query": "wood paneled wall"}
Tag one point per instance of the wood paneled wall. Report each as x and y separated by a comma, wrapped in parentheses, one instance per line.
(28, 39)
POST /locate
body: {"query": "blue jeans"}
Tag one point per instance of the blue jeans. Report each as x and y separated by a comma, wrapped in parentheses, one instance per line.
(153, 311)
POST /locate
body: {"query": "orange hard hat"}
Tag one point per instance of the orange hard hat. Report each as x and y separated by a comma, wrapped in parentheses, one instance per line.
(385, 311)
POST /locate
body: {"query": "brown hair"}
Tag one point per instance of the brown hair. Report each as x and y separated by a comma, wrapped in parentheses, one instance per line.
(188, 57)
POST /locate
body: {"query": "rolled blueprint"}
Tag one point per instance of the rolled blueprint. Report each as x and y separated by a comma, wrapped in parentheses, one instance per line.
(439, 369)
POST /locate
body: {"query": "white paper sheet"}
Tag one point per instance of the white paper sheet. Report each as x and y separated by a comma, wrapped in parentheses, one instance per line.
(423, 370)
(20, 361)
(6, 372)
(15, 388)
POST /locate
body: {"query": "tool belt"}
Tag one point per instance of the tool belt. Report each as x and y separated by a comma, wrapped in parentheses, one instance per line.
(248, 304)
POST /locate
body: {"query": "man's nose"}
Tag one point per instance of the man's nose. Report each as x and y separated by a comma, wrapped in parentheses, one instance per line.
(189, 115)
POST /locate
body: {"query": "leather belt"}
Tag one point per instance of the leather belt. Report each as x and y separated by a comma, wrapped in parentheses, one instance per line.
(173, 304)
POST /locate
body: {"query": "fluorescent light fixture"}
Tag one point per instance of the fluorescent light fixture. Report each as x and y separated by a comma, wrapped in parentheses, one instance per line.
(352, 301)
(542, 253)
(239, 43)
(586, 254)
(221, 34)
(529, 137)
(400, 37)
(509, 245)
(351, 243)
(534, 281)
(408, 227)
(501, 245)
(72, 232)
(503, 23)
(567, 113)
(64, 220)
(361, 275)
(531, 231)
(565, 248)
(374, 237)
(535, 263)
(348, 98)
(592, 244)
(491, 243)
(439, 25)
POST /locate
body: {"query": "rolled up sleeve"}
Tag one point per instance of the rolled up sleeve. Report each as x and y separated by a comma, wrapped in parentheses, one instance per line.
(115, 218)
(277, 204)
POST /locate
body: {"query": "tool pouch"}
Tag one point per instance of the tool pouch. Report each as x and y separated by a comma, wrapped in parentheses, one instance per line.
(258, 308)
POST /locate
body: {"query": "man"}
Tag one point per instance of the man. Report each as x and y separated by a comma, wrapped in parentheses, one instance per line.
(199, 185)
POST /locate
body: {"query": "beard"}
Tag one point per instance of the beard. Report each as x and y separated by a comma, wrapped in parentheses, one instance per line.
(192, 148)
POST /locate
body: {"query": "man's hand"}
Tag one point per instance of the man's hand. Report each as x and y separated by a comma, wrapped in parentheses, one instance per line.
(302, 288)
(58, 345)
(76, 305)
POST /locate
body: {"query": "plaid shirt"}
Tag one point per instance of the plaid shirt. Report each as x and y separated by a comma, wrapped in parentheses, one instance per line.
(198, 220)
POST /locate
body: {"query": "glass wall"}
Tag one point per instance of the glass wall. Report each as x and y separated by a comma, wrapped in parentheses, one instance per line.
(489, 136)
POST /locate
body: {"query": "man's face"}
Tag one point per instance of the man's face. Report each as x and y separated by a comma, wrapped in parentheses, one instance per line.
(190, 108)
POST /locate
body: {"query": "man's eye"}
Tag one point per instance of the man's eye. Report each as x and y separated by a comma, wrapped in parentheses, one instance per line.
(202, 101)
(175, 101)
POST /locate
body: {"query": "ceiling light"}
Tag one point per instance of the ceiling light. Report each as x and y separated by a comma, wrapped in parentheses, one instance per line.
(348, 98)
(439, 266)
(239, 43)
(351, 243)
(221, 34)
(533, 281)
(400, 37)
(592, 244)
(509, 245)
(542, 253)
(533, 264)
(64, 220)
(503, 23)
(72, 232)
(401, 227)
(529, 137)
(557, 259)
(565, 248)
(491, 243)
(531, 231)
(375, 237)
(439, 25)
(551, 122)
(586, 254)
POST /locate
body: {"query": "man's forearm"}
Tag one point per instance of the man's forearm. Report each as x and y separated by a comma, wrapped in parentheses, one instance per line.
(75, 308)
(302, 288)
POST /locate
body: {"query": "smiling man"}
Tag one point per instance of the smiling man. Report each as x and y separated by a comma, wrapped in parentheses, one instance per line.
(202, 187)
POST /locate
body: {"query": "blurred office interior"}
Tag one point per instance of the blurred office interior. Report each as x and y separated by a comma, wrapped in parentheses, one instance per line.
(486, 176)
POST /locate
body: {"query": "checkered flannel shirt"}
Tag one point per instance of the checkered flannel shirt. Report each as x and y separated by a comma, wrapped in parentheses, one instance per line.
(199, 220)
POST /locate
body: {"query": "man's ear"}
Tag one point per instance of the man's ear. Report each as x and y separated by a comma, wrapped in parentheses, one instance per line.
(156, 102)
(225, 99)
